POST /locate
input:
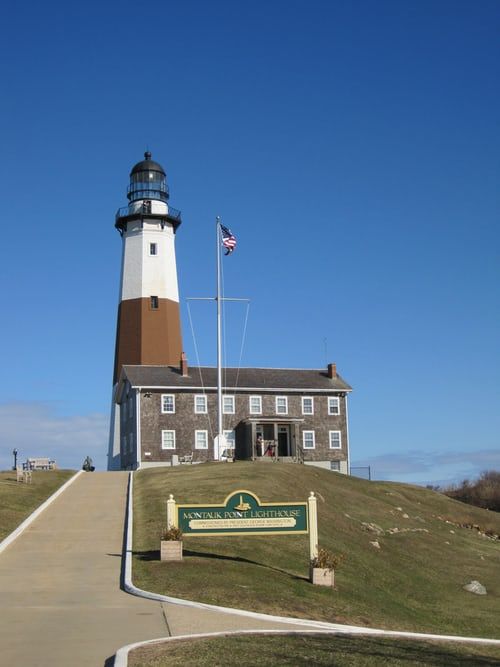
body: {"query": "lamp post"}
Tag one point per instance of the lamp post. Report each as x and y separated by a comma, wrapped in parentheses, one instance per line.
(14, 453)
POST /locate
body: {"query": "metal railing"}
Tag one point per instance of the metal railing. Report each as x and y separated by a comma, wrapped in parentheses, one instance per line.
(124, 212)
(364, 472)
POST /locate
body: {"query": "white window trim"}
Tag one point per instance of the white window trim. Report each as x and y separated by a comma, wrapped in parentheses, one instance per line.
(168, 412)
(308, 398)
(200, 412)
(278, 412)
(255, 412)
(196, 446)
(330, 440)
(163, 446)
(304, 440)
(153, 254)
(224, 398)
(336, 399)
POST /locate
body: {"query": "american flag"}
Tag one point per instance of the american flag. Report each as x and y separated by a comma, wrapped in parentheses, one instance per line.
(228, 240)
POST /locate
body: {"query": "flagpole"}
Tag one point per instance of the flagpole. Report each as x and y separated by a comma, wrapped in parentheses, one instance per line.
(219, 349)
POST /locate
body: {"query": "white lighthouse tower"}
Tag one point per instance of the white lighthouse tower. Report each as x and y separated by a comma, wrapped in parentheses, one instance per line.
(148, 329)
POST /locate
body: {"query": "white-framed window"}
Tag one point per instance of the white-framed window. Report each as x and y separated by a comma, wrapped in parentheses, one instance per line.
(307, 405)
(335, 466)
(335, 439)
(200, 404)
(333, 405)
(308, 440)
(228, 405)
(201, 439)
(153, 248)
(255, 405)
(230, 438)
(168, 439)
(281, 405)
(168, 404)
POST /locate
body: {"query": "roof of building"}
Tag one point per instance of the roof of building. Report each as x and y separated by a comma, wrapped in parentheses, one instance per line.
(262, 379)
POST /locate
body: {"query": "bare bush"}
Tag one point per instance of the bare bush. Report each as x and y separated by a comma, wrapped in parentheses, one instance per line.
(484, 493)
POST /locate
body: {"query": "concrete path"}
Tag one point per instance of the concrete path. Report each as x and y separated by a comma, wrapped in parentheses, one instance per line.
(60, 597)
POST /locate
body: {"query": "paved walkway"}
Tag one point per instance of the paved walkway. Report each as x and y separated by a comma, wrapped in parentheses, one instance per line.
(60, 600)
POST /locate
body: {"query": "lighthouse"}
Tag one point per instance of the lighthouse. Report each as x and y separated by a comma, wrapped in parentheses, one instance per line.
(148, 328)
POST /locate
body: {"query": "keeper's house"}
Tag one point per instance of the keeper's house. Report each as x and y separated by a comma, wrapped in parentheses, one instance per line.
(168, 415)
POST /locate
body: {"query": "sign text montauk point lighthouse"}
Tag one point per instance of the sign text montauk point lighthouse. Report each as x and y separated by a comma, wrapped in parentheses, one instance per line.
(148, 328)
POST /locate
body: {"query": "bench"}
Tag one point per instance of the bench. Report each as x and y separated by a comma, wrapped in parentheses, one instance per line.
(188, 458)
(23, 475)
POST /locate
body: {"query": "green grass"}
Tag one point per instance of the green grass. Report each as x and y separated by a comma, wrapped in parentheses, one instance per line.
(413, 582)
(18, 500)
(305, 650)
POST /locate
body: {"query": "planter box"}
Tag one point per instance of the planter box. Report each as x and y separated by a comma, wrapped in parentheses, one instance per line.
(321, 576)
(171, 550)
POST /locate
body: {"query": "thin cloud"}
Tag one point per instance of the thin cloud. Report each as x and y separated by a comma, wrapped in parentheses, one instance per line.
(427, 467)
(34, 429)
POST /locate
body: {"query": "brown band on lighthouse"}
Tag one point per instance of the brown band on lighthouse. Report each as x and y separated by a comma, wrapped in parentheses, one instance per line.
(148, 333)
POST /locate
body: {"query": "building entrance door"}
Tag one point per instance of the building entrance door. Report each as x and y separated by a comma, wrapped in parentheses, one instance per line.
(284, 441)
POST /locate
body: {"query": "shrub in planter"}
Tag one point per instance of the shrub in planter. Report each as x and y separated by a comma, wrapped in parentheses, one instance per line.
(321, 570)
(171, 544)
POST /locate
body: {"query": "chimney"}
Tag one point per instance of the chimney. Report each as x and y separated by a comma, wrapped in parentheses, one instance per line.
(184, 365)
(332, 371)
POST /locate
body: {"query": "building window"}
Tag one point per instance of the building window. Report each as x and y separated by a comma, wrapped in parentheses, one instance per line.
(167, 403)
(333, 405)
(168, 439)
(230, 438)
(255, 405)
(281, 405)
(228, 405)
(153, 248)
(200, 404)
(335, 466)
(308, 440)
(154, 303)
(201, 439)
(130, 443)
(307, 405)
(335, 440)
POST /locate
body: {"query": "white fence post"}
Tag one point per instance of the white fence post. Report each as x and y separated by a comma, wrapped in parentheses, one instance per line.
(313, 526)
(171, 513)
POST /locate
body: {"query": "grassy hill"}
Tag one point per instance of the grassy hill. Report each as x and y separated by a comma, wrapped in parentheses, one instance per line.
(413, 579)
(19, 500)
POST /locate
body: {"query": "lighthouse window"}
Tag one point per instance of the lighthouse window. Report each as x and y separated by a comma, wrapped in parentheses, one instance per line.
(154, 303)
(153, 249)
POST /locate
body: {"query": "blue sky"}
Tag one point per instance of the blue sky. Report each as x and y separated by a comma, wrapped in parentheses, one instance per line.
(352, 147)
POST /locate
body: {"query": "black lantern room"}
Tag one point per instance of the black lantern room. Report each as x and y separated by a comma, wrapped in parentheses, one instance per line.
(147, 181)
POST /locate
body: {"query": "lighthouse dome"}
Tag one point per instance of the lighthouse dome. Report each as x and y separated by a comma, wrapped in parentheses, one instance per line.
(147, 165)
(147, 181)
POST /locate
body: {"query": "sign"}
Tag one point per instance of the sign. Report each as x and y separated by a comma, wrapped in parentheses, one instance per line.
(242, 513)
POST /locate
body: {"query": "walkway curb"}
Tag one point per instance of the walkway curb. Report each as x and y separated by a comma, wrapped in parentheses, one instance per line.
(29, 520)
(314, 627)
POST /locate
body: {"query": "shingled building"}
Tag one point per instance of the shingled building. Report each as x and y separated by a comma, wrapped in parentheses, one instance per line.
(168, 415)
